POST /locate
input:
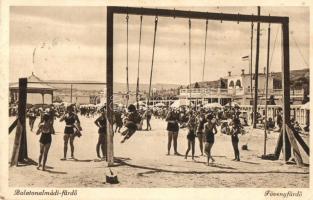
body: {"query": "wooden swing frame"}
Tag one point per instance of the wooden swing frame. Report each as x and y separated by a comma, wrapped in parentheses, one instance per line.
(288, 138)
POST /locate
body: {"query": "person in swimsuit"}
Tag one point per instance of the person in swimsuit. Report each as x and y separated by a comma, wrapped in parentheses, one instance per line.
(32, 115)
(148, 116)
(209, 130)
(234, 136)
(118, 120)
(191, 136)
(70, 119)
(101, 123)
(132, 120)
(200, 126)
(172, 119)
(45, 129)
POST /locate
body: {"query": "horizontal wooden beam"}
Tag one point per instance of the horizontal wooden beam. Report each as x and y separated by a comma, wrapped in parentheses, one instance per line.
(197, 15)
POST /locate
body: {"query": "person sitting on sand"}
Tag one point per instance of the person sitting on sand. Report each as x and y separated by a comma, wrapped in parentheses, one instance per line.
(45, 129)
(132, 120)
(101, 123)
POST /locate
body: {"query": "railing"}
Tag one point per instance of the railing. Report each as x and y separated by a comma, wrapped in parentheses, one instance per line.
(299, 113)
(211, 91)
(235, 91)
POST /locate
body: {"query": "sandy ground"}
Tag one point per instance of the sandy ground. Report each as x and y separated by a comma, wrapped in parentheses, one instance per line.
(142, 162)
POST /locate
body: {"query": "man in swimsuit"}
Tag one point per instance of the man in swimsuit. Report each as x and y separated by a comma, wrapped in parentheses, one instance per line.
(101, 123)
(70, 119)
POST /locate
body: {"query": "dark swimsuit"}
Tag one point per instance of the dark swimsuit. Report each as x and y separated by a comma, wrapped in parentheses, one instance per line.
(103, 123)
(45, 138)
(70, 121)
(173, 127)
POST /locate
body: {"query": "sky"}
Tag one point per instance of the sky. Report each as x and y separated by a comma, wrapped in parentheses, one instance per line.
(69, 43)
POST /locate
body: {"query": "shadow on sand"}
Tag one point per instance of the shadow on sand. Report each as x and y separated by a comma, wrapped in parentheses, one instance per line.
(157, 170)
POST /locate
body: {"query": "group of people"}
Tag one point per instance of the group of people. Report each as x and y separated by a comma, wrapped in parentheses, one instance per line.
(200, 123)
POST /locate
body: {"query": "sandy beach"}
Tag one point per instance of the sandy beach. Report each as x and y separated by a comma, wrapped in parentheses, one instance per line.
(142, 162)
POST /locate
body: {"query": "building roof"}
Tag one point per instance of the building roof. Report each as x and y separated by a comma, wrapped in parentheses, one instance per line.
(38, 86)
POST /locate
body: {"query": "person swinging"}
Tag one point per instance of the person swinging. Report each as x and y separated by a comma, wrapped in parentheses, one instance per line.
(132, 119)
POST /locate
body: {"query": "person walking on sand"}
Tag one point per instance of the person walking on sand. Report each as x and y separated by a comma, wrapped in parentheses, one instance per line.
(172, 119)
(101, 123)
(191, 136)
(70, 119)
(209, 130)
(45, 129)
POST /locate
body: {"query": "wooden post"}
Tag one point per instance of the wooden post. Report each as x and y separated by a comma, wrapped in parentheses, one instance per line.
(256, 74)
(110, 155)
(286, 89)
(20, 143)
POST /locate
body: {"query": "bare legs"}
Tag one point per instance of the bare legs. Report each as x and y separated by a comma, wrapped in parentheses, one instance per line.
(172, 136)
(191, 145)
(68, 137)
(44, 149)
(101, 143)
(208, 147)
(200, 138)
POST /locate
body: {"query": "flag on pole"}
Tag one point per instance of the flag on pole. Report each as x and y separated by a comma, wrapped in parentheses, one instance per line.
(245, 58)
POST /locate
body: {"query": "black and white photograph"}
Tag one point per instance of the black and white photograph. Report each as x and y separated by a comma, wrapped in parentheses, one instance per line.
(161, 96)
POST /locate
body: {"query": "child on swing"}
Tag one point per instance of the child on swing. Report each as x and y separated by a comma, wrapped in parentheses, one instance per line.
(132, 120)
(45, 129)
(191, 134)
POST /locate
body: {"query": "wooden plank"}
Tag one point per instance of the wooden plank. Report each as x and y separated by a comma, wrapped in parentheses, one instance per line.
(279, 145)
(293, 142)
(301, 142)
(13, 125)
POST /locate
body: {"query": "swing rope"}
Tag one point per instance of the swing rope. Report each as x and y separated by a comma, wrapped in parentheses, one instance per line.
(127, 83)
(189, 63)
(205, 41)
(137, 88)
(152, 62)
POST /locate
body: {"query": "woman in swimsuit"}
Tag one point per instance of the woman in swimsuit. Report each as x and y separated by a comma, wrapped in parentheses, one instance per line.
(191, 136)
(200, 126)
(45, 129)
(209, 130)
(172, 119)
(32, 118)
(70, 119)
